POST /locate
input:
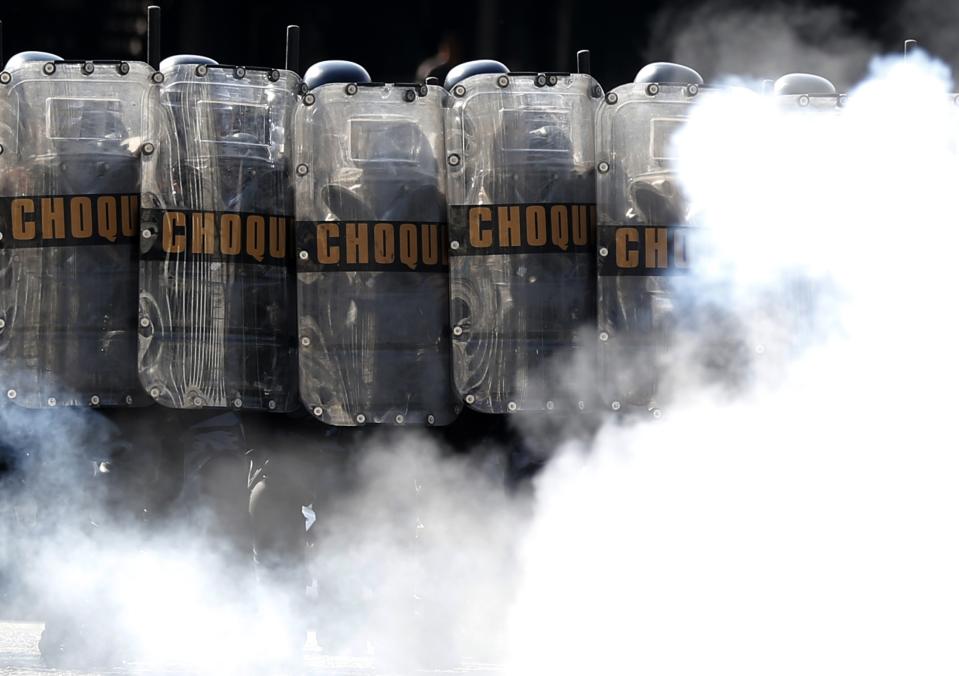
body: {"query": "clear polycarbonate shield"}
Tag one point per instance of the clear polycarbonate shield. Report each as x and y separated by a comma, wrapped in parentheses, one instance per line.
(372, 267)
(217, 299)
(522, 237)
(69, 210)
(643, 236)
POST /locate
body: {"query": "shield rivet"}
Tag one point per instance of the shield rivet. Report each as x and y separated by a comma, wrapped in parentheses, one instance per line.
(157, 78)
(459, 90)
(148, 148)
(87, 68)
(49, 68)
(603, 336)
(123, 68)
(603, 251)
(309, 100)
(656, 413)
(550, 406)
(453, 160)
(552, 80)
(302, 170)
(351, 89)
(457, 330)
(454, 245)
(240, 72)
(5, 77)
(502, 81)
(271, 405)
(540, 80)
(238, 402)
(145, 322)
(201, 70)
(652, 89)
(305, 341)
(3, 323)
(317, 411)
(511, 406)
(581, 405)
(424, 90)
(603, 167)
(1, 153)
(409, 96)
(616, 405)
(274, 75)
(692, 90)
(803, 100)
(94, 400)
(430, 419)
(154, 392)
(399, 419)
(360, 418)
(51, 401)
(597, 91)
(11, 394)
(611, 98)
(197, 402)
(304, 255)
(470, 399)
(129, 399)
(841, 101)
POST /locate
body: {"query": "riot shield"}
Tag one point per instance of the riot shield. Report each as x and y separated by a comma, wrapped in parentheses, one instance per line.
(372, 268)
(522, 241)
(70, 134)
(642, 235)
(217, 286)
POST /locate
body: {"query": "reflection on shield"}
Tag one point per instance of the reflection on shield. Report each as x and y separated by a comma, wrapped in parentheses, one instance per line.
(373, 285)
(69, 213)
(522, 229)
(217, 288)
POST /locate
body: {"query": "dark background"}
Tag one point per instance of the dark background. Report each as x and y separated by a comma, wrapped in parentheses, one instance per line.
(391, 40)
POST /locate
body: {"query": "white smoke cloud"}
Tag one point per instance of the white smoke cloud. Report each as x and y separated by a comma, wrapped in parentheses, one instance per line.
(806, 525)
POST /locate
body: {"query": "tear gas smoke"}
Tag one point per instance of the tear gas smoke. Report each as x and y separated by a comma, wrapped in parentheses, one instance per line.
(805, 525)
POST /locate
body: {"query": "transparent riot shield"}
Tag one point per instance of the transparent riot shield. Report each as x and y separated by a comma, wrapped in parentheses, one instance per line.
(217, 322)
(69, 210)
(522, 242)
(372, 269)
(643, 238)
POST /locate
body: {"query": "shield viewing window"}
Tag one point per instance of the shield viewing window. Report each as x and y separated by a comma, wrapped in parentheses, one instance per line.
(537, 130)
(235, 124)
(384, 139)
(661, 138)
(77, 119)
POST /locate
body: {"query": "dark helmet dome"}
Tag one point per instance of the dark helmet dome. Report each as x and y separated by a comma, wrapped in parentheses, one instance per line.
(795, 84)
(334, 71)
(20, 59)
(664, 72)
(471, 68)
(186, 60)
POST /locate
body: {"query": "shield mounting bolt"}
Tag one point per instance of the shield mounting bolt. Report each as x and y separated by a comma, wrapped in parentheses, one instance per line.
(302, 170)
(360, 418)
(603, 336)
(305, 341)
(5, 77)
(603, 167)
(317, 411)
(11, 394)
(95, 400)
(457, 330)
(470, 399)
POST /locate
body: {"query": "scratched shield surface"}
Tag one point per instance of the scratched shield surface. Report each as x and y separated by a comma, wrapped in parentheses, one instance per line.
(642, 236)
(69, 190)
(522, 229)
(217, 299)
(372, 264)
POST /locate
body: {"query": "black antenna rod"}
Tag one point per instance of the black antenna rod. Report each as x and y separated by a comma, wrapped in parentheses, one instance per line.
(293, 48)
(909, 46)
(582, 61)
(153, 36)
